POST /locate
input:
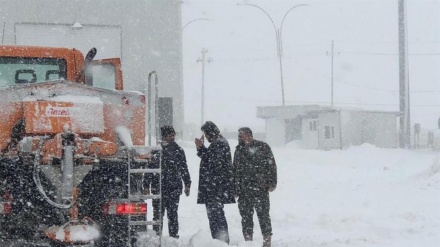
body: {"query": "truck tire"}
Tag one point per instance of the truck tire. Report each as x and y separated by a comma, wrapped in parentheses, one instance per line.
(28, 207)
(106, 181)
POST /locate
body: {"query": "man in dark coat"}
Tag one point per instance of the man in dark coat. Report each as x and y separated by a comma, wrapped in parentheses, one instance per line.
(174, 171)
(216, 184)
(255, 176)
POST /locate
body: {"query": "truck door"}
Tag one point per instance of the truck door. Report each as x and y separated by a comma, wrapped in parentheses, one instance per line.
(105, 73)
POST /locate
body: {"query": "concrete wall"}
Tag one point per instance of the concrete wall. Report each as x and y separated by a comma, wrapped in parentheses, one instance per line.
(151, 36)
(275, 131)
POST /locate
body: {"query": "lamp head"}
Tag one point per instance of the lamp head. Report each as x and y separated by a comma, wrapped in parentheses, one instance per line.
(77, 26)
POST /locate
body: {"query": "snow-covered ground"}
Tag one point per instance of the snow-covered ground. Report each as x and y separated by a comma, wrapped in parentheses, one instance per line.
(362, 196)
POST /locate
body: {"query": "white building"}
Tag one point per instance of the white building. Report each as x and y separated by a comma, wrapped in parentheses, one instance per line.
(320, 127)
(145, 34)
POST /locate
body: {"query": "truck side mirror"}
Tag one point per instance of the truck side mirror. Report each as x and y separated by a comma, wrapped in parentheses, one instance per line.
(89, 58)
(90, 55)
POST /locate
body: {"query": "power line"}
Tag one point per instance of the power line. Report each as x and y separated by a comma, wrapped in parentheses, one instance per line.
(264, 59)
(388, 54)
(387, 90)
(387, 42)
(424, 91)
(372, 88)
(427, 114)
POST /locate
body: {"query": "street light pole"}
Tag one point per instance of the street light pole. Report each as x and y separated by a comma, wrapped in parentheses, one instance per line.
(280, 57)
(198, 19)
(203, 60)
(279, 40)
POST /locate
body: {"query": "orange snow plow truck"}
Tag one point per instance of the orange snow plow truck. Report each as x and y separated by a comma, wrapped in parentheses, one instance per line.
(72, 148)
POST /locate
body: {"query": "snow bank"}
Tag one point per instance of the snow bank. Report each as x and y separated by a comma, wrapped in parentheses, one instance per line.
(78, 233)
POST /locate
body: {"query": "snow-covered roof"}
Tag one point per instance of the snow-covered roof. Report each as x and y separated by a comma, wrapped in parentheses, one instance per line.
(291, 111)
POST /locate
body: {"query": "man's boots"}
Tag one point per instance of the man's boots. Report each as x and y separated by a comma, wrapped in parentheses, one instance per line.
(267, 241)
(248, 237)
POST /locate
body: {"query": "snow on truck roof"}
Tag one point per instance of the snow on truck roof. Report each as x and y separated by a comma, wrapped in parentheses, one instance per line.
(67, 98)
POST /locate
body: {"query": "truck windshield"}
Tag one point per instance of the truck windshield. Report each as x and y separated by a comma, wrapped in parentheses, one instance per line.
(21, 70)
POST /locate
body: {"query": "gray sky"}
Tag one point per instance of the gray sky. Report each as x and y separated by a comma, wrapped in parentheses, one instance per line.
(245, 69)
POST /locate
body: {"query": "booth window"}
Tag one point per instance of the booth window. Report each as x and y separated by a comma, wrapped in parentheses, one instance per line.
(329, 132)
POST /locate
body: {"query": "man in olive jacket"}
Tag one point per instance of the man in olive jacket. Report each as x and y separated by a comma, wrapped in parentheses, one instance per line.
(216, 179)
(255, 176)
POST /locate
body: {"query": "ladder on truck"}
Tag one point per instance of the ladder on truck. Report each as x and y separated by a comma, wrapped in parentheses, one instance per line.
(134, 221)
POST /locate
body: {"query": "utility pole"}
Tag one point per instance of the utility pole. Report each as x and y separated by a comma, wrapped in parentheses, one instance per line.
(405, 126)
(203, 60)
(332, 53)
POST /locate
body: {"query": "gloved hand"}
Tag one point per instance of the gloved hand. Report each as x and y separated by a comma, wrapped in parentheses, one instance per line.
(186, 190)
(271, 188)
(199, 142)
(149, 155)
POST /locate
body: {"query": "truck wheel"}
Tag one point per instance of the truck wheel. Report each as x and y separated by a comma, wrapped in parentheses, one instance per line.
(106, 181)
(29, 208)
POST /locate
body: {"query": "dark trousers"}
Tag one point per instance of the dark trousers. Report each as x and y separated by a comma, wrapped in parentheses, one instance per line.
(170, 205)
(260, 203)
(217, 222)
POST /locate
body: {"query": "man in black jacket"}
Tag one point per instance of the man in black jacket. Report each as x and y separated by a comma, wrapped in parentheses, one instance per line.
(255, 176)
(174, 171)
(216, 184)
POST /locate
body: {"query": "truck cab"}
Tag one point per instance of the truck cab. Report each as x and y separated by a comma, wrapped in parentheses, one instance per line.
(27, 64)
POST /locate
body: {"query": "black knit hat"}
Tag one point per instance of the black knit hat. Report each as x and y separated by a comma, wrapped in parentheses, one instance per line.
(166, 130)
(245, 130)
(210, 128)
